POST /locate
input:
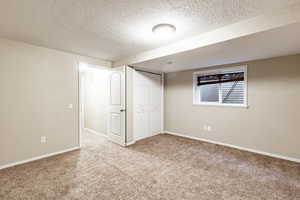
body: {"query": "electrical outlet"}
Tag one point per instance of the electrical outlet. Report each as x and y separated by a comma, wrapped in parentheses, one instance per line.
(207, 128)
(43, 139)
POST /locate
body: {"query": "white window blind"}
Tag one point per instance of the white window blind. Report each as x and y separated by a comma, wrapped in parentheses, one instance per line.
(232, 92)
(221, 87)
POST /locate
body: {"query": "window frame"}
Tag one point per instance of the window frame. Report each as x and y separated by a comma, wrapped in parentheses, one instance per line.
(196, 89)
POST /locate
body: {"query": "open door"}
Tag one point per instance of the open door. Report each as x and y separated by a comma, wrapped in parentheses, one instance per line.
(117, 106)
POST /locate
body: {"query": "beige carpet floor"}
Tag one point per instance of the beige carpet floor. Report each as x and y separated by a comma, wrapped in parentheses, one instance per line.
(161, 167)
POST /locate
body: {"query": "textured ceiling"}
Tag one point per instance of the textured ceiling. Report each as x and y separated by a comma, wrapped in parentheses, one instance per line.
(115, 29)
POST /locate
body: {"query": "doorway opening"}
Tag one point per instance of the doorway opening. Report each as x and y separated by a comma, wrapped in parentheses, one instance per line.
(94, 93)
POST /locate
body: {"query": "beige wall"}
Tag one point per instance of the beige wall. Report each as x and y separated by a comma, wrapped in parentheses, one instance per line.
(96, 99)
(270, 124)
(37, 85)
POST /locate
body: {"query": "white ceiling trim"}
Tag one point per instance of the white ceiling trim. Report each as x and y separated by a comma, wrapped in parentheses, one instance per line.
(248, 27)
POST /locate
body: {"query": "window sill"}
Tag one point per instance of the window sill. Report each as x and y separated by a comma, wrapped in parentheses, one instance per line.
(222, 105)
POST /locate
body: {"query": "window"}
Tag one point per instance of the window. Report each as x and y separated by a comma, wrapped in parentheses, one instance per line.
(221, 87)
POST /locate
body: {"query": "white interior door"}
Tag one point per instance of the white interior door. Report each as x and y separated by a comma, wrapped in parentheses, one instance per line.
(147, 105)
(117, 112)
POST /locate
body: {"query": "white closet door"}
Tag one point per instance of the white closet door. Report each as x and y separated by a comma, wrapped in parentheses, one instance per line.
(147, 105)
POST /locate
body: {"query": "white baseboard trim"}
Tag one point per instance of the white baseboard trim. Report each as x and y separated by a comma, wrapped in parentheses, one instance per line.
(38, 158)
(94, 132)
(130, 143)
(236, 147)
(142, 138)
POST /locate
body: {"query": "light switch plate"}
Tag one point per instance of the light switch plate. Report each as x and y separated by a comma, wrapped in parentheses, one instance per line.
(208, 128)
(43, 139)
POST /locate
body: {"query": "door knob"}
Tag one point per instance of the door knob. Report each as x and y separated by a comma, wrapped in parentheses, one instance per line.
(122, 110)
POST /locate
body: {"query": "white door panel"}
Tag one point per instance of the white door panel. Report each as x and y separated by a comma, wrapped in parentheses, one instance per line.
(115, 122)
(155, 122)
(142, 126)
(117, 112)
(115, 88)
(147, 101)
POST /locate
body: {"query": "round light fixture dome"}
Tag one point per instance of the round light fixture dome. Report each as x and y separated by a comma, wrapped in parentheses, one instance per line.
(164, 30)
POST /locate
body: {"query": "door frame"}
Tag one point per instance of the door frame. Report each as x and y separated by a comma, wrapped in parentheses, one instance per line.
(162, 103)
(162, 76)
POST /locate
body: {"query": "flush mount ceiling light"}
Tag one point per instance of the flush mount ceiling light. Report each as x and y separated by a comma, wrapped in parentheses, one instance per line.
(164, 30)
